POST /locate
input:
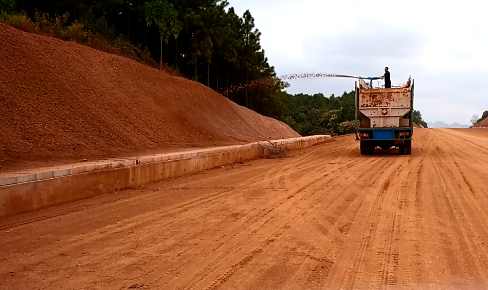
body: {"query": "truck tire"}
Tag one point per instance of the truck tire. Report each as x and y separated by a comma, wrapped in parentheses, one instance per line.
(405, 148)
(367, 147)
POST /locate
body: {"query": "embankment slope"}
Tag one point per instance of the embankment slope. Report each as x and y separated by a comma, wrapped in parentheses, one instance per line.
(61, 101)
(482, 124)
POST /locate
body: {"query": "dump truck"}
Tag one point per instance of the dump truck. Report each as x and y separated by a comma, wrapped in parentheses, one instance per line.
(384, 117)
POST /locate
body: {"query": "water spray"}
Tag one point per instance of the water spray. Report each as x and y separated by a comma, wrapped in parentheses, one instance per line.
(276, 80)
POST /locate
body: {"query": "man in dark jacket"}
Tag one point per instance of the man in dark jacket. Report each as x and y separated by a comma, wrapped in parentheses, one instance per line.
(386, 76)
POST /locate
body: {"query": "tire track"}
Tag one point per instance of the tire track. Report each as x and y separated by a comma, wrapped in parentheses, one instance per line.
(390, 249)
(327, 218)
(307, 233)
(347, 278)
(408, 220)
(456, 216)
(290, 200)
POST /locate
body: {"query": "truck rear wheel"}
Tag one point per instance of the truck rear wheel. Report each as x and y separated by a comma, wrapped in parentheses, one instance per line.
(367, 147)
(405, 148)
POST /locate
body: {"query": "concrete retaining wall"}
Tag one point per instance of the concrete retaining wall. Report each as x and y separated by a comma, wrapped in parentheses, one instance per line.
(32, 192)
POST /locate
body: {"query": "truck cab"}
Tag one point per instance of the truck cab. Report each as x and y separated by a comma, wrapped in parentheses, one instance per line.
(384, 117)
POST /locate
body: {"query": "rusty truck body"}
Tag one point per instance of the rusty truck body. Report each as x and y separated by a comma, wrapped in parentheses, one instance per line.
(384, 117)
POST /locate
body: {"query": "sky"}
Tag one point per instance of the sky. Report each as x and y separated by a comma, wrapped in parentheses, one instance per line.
(442, 45)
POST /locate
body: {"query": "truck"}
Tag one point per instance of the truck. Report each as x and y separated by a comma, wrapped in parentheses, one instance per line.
(384, 117)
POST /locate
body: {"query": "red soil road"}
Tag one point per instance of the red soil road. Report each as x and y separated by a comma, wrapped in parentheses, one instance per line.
(325, 218)
(61, 101)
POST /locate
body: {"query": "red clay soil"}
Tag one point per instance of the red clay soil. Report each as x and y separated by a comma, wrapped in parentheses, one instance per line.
(483, 123)
(62, 102)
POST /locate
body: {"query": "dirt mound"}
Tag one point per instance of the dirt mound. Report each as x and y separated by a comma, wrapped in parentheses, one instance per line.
(64, 101)
(483, 123)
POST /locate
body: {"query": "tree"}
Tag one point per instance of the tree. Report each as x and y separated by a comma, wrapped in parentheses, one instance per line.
(220, 34)
(417, 119)
(250, 37)
(231, 42)
(316, 114)
(484, 116)
(8, 6)
(165, 17)
(475, 119)
(198, 23)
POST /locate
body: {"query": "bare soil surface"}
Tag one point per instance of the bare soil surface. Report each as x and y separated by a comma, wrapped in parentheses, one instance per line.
(62, 102)
(324, 218)
(483, 123)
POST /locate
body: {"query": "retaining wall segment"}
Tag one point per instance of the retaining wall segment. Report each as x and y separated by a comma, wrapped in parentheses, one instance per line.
(33, 192)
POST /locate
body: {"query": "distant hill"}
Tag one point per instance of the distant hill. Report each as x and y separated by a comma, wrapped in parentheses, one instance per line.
(440, 124)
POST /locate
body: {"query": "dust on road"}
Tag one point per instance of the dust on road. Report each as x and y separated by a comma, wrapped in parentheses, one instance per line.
(326, 218)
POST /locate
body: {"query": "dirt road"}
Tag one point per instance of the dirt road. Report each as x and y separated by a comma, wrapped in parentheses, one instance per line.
(325, 218)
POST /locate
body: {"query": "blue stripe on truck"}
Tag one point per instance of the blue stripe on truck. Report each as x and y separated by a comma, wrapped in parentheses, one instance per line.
(404, 133)
(384, 134)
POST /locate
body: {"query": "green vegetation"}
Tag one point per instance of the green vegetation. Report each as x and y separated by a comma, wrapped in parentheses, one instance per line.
(310, 115)
(417, 119)
(164, 15)
(204, 40)
(475, 120)
(484, 116)
(9, 6)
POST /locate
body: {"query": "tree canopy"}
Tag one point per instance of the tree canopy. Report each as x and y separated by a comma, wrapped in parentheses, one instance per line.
(8, 6)
(475, 120)
(165, 17)
(417, 119)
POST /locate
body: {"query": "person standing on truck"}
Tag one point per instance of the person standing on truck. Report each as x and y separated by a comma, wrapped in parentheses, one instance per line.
(386, 76)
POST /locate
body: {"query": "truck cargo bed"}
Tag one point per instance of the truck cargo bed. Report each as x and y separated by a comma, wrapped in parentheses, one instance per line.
(384, 117)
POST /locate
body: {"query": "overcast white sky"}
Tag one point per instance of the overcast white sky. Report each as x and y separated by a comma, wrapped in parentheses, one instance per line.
(443, 45)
